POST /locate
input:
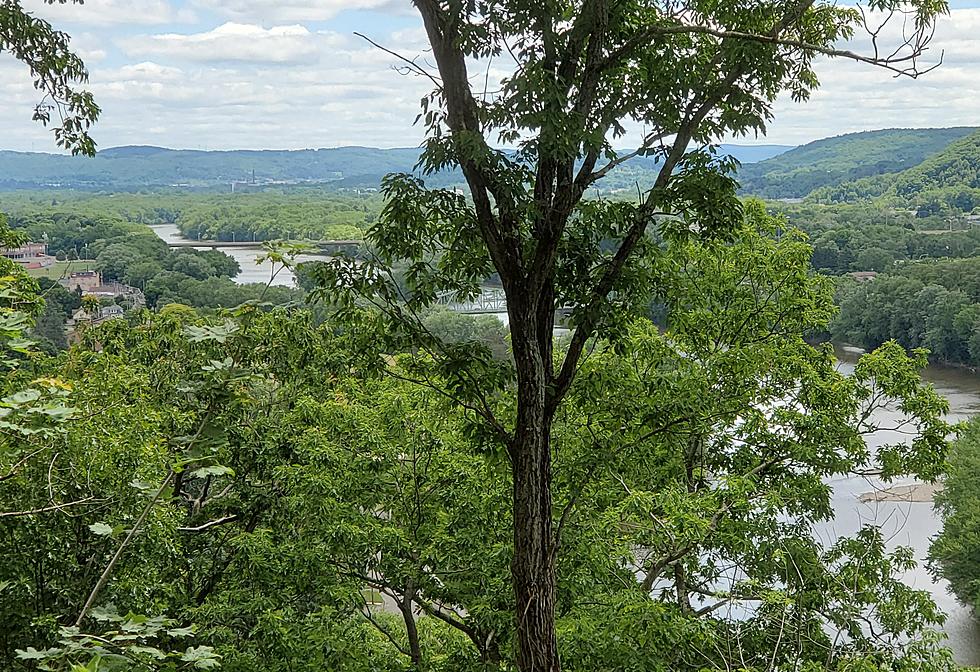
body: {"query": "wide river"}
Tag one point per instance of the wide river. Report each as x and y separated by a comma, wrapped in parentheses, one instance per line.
(904, 523)
(907, 523)
(245, 256)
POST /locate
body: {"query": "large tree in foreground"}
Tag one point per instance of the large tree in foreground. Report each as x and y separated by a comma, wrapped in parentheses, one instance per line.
(688, 72)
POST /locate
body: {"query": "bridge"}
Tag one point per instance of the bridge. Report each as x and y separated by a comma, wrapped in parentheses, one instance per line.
(323, 245)
(490, 300)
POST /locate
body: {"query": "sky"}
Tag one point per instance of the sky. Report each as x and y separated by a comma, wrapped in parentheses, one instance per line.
(291, 74)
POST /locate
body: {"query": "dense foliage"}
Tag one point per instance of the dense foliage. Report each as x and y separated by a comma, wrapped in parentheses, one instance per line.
(830, 162)
(931, 304)
(268, 493)
(304, 214)
(868, 237)
(954, 553)
(946, 183)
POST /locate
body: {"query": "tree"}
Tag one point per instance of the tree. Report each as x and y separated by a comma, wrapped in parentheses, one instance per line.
(953, 554)
(688, 72)
(194, 266)
(56, 71)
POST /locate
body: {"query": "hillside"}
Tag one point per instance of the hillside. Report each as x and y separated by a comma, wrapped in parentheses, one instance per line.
(946, 181)
(127, 168)
(844, 158)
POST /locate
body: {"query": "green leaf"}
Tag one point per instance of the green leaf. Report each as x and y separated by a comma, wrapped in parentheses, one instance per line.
(214, 470)
(101, 529)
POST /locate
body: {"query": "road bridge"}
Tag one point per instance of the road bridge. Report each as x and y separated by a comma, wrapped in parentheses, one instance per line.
(322, 245)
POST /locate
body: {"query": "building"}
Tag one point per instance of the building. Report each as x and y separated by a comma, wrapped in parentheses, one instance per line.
(81, 316)
(864, 276)
(29, 255)
(90, 283)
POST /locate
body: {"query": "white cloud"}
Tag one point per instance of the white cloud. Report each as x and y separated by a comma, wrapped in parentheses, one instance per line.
(858, 97)
(295, 10)
(111, 12)
(236, 42)
(256, 83)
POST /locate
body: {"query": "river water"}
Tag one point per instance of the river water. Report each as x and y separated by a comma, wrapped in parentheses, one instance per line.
(252, 271)
(906, 523)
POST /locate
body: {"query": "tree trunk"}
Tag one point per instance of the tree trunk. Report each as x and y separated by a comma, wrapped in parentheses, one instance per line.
(533, 568)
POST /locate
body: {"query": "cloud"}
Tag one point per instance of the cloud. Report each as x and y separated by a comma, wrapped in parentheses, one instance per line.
(858, 97)
(264, 82)
(111, 12)
(295, 10)
(236, 42)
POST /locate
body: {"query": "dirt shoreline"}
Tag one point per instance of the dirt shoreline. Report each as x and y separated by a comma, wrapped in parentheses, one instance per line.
(915, 492)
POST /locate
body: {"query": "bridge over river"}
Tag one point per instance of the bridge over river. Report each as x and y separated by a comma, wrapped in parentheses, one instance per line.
(326, 246)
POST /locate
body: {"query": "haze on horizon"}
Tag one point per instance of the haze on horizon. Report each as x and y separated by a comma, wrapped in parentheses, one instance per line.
(291, 74)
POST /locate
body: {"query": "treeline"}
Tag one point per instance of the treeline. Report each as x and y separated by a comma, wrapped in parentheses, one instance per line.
(291, 214)
(867, 237)
(933, 304)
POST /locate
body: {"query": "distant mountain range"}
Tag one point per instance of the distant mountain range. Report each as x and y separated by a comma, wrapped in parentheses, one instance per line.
(857, 163)
(137, 167)
(948, 179)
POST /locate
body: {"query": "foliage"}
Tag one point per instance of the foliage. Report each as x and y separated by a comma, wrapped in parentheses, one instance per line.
(953, 554)
(56, 71)
(689, 74)
(945, 183)
(930, 304)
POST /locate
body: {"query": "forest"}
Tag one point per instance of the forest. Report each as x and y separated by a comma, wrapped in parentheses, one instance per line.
(625, 470)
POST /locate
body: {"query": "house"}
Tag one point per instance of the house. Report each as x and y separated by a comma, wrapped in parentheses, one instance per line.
(90, 283)
(864, 276)
(82, 316)
(29, 255)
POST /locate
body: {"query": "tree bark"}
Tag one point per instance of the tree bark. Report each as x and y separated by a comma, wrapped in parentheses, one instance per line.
(533, 567)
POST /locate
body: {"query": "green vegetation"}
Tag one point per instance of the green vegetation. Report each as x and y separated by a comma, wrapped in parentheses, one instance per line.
(232, 478)
(871, 237)
(312, 214)
(946, 184)
(833, 161)
(954, 553)
(262, 479)
(932, 304)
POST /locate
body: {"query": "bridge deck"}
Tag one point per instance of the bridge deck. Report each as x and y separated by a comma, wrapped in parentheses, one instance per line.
(254, 243)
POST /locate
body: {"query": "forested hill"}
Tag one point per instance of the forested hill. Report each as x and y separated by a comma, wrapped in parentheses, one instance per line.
(124, 168)
(948, 181)
(844, 158)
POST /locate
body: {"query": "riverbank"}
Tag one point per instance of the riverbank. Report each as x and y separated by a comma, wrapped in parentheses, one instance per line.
(922, 493)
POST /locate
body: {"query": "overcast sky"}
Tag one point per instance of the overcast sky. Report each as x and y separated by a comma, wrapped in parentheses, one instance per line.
(288, 74)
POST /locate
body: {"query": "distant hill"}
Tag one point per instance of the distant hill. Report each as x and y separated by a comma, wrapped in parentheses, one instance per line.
(844, 158)
(947, 180)
(135, 167)
(140, 166)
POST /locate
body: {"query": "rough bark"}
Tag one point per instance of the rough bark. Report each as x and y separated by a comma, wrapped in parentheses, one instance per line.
(532, 567)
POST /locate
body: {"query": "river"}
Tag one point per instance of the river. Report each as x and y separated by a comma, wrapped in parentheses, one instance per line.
(252, 271)
(906, 523)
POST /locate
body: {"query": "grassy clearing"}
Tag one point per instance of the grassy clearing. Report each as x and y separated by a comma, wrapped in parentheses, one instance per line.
(60, 269)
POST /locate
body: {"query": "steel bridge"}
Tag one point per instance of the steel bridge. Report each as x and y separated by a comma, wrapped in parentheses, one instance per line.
(490, 300)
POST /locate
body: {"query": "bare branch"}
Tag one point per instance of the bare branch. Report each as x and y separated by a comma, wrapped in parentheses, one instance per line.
(207, 526)
(412, 65)
(53, 507)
